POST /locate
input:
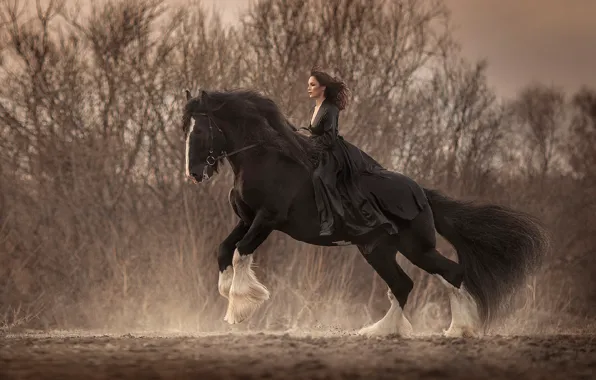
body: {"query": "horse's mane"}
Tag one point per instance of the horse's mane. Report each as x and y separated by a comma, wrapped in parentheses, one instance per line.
(257, 119)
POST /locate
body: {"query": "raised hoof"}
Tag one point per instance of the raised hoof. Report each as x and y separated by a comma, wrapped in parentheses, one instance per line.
(246, 293)
(243, 304)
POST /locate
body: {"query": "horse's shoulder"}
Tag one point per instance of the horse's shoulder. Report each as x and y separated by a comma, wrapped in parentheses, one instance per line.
(239, 205)
(232, 200)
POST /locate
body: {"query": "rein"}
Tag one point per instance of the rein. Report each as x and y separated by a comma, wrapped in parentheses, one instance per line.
(212, 160)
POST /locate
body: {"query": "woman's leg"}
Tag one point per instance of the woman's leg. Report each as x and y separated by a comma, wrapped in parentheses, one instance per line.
(323, 202)
(326, 195)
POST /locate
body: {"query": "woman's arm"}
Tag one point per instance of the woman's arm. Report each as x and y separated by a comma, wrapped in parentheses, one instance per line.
(326, 130)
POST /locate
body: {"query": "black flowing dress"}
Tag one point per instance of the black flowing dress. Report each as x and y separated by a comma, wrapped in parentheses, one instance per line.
(353, 192)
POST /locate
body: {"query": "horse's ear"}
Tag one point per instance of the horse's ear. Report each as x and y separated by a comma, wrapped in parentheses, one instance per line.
(188, 95)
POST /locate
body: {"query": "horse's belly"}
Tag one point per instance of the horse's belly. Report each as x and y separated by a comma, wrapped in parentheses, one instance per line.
(310, 236)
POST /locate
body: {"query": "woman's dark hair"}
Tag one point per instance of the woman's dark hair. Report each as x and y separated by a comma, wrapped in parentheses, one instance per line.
(336, 91)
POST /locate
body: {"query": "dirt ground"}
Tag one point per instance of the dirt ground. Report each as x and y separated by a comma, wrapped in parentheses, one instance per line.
(285, 356)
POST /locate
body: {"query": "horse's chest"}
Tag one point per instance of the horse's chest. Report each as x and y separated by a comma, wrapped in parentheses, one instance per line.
(258, 190)
(247, 198)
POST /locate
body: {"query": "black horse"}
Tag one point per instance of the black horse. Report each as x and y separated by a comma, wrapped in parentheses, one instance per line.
(497, 247)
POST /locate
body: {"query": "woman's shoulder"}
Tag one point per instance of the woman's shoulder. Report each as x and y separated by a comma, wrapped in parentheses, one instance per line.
(330, 106)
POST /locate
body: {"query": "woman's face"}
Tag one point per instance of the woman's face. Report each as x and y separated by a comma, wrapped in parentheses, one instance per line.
(315, 90)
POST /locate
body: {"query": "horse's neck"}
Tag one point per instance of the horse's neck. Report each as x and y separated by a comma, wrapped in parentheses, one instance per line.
(268, 177)
(262, 163)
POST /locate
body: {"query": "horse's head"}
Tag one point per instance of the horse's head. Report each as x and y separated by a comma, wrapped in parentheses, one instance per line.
(205, 141)
(220, 124)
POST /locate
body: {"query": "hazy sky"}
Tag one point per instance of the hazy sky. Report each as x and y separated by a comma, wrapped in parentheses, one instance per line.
(551, 41)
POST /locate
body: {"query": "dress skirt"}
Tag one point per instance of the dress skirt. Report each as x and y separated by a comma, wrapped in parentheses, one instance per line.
(356, 195)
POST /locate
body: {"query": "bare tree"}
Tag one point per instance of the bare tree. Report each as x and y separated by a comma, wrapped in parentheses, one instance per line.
(382, 49)
(542, 118)
(90, 123)
(582, 144)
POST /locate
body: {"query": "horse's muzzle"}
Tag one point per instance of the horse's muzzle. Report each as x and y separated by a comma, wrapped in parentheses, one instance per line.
(195, 178)
(197, 175)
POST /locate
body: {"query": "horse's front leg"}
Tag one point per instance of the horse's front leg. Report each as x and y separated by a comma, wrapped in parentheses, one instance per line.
(246, 292)
(224, 257)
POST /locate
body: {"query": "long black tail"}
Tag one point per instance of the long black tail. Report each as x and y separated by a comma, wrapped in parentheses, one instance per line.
(498, 248)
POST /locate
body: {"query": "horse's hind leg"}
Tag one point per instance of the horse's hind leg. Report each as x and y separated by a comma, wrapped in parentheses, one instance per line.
(383, 261)
(418, 244)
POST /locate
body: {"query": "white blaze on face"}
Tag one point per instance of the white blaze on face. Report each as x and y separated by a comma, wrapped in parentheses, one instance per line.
(192, 126)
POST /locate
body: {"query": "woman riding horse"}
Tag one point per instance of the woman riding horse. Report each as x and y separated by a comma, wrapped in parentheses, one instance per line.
(496, 247)
(339, 197)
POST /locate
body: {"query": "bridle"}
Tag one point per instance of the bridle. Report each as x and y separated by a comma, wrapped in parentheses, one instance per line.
(211, 160)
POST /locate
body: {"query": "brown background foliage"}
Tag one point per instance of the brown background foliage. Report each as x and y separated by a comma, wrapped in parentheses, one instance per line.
(99, 229)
